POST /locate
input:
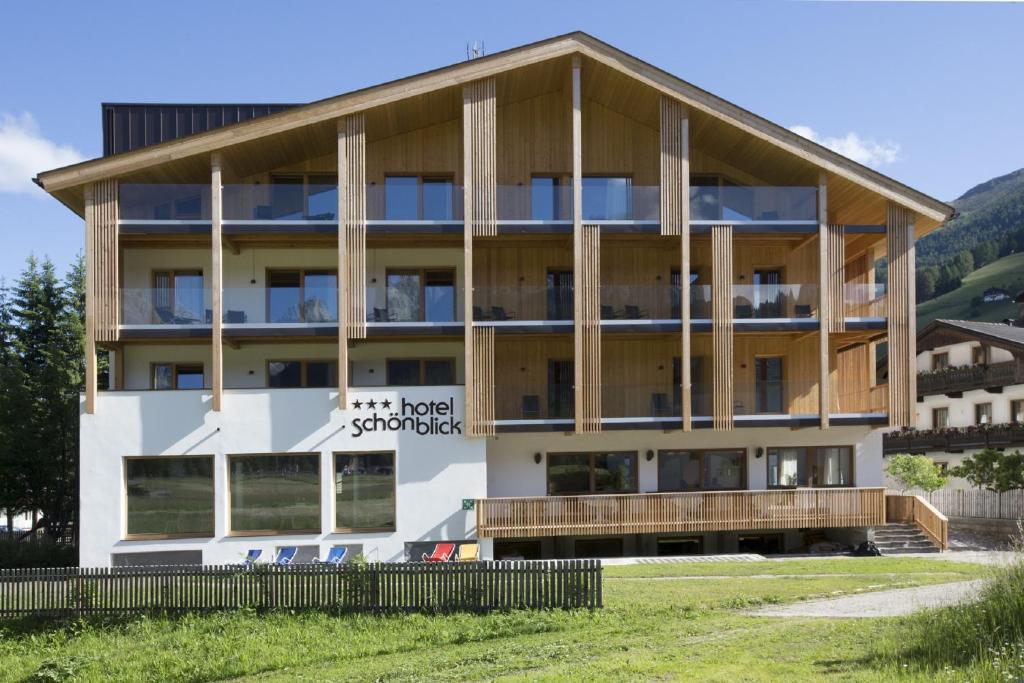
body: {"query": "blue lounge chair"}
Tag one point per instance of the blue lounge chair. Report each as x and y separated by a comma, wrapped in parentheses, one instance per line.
(285, 555)
(336, 555)
(251, 557)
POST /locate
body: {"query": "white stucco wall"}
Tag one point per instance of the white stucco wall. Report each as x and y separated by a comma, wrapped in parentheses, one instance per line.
(961, 410)
(960, 354)
(434, 473)
(511, 470)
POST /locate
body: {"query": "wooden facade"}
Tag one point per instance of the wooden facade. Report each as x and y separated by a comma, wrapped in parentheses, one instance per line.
(902, 318)
(721, 326)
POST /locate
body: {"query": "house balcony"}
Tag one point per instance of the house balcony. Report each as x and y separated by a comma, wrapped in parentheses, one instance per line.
(745, 205)
(696, 512)
(992, 376)
(153, 312)
(954, 439)
(864, 304)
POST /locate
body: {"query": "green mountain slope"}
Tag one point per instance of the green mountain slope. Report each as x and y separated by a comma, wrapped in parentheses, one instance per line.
(1006, 273)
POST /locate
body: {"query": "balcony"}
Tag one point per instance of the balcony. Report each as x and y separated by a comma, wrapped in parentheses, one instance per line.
(954, 439)
(165, 307)
(953, 380)
(522, 305)
(149, 207)
(526, 403)
(864, 302)
(283, 306)
(753, 205)
(696, 512)
(775, 302)
(280, 202)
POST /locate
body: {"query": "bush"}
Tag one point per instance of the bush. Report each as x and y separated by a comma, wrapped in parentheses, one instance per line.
(36, 553)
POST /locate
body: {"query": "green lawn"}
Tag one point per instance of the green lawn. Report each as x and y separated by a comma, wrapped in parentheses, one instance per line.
(659, 623)
(1006, 273)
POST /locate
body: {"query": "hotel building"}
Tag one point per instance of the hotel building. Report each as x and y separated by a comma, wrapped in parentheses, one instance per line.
(554, 301)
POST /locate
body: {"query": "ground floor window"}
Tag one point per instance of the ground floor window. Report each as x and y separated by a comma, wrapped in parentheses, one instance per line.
(581, 473)
(586, 548)
(415, 372)
(708, 470)
(762, 544)
(364, 491)
(302, 373)
(169, 496)
(517, 550)
(177, 376)
(275, 493)
(814, 466)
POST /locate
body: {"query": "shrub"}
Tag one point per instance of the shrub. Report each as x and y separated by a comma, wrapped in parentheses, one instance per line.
(36, 553)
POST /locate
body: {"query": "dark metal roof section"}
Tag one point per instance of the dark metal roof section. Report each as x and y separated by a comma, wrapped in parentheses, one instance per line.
(132, 126)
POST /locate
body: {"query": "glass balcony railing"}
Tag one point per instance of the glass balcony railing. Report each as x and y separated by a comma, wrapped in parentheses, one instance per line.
(429, 304)
(776, 397)
(522, 303)
(640, 302)
(774, 301)
(640, 400)
(864, 301)
(542, 202)
(156, 306)
(280, 202)
(734, 204)
(406, 202)
(528, 401)
(278, 305)
(608, 199)
(163, 202)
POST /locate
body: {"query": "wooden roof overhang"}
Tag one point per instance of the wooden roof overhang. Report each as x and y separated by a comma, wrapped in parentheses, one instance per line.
(943, 333)
(857, 194)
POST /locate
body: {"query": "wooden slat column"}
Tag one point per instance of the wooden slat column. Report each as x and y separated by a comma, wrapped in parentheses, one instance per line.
(588, 329)
(480, 207)
(351, 241)
(721, 326)
(902, 321)
(102, 288)
(90, 300)
(824, 301)
(836, 278)
(675, 220)
(216, 278)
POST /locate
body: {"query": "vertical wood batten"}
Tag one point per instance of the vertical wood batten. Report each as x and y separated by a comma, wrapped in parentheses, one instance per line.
(480, 216)
(90, 300)
(902, 320)
(721, 325)
(824, 300)
(351, 241)
(589, 329)
(579, 399)
(216, 278)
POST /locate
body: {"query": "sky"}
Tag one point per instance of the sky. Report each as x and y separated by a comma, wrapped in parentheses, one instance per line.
(928, 93)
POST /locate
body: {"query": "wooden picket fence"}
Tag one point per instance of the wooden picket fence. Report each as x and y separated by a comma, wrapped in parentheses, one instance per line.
(977, 503)
(376, 587)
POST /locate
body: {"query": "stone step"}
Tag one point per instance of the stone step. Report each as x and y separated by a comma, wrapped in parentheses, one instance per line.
(905, 551)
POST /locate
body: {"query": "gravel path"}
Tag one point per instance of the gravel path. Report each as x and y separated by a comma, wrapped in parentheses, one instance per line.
(890, 603)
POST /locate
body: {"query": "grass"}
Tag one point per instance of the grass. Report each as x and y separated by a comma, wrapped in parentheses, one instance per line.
(670, 626)
(1006, 273)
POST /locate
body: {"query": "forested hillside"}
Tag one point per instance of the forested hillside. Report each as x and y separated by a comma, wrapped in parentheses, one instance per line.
(990, 225)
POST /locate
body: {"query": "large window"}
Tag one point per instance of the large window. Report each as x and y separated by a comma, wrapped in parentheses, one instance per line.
(576, 473)
(413, 198)
(940, 418)
(415, 372)
(364, 491)
(710, 470)
(302, 373)
(177, 376)
(302, 296)
(768, 385)
(169, 496)
(178, 297)
(421, 295)
(822, 466)
(606, 198)
(301, 197)
(275, 493)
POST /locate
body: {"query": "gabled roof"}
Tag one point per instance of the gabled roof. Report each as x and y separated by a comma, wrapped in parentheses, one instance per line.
(573, 43)
(946, 332)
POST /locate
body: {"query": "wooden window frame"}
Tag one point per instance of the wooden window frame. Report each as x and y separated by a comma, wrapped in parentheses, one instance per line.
(1013, 413)
(935, 412)
(420, 177)
(334, 498)
(593, 477)
(271, 532)
(809, 453)
(977, 415)
(302, 287)
(159, 537)
(423, 370)
(303, 370)
(700, 453)
(982, 351)
(421, 272)
(941, 354)
(175, 369)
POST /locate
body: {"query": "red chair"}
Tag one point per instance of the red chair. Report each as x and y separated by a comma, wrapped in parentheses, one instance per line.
(442, 553)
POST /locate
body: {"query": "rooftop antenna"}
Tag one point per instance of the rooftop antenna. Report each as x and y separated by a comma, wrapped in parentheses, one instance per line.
(475, 49)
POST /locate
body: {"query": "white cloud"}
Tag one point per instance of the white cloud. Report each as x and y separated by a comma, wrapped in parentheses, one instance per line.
(862, 150)
(24, 152)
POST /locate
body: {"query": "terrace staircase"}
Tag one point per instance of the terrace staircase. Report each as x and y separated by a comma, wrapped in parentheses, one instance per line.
(897, 539)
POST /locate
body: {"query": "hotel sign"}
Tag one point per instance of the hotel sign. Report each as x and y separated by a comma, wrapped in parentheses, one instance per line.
(426, 418)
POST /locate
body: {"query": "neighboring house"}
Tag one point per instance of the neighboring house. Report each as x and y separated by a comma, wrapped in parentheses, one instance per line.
(568, 280)
(970, 388)
(993, 294)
